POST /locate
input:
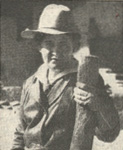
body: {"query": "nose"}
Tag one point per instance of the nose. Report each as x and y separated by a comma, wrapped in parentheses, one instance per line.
(54, 53)
(55, 50)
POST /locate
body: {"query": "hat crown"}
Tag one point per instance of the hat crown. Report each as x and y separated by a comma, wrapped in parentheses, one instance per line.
(57, 17)
(55, 20)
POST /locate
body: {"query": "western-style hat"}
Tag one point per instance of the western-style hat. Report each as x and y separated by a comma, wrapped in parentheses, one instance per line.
(55, 19)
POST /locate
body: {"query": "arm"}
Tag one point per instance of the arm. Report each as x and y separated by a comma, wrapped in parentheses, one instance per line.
(18, 143)
(108, 125)
(97, 100)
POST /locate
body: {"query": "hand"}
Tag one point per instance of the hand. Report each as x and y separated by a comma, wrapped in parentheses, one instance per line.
(36, 147)
(82, 97)
(87, 96)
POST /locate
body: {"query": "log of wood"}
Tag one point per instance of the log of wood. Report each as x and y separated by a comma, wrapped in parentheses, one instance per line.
(85, 120)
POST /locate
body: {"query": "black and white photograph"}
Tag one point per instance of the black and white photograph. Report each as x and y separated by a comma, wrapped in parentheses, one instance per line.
(61, 75)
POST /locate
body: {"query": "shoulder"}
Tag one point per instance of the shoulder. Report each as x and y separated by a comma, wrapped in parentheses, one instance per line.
(26, 88)
(33, 78)
(29, 87)
(29, 81)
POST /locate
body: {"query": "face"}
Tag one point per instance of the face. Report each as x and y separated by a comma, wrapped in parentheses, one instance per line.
(57, 51)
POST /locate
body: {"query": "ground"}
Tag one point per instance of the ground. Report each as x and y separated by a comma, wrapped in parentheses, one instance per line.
(8, 121)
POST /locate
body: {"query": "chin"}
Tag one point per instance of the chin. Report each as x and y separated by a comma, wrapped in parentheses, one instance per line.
(59, 66)
(52, 66)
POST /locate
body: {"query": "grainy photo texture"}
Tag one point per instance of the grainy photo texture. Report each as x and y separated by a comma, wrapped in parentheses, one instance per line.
(61, 75)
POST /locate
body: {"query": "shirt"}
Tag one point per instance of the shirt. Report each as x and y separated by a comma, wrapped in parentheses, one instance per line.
(47, 115)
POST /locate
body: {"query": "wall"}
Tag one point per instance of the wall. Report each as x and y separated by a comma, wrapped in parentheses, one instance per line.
(18, 55)
(103, 23)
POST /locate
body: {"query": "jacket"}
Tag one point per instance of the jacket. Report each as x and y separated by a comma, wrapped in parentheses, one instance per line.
(47, 114)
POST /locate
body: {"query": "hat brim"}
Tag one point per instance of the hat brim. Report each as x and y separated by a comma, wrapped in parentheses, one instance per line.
(31, 33)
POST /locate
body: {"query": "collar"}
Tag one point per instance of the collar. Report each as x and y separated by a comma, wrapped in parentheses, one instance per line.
(42, 73)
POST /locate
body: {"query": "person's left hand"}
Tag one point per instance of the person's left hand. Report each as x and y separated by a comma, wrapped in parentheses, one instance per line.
(81, 96)
(85, 97)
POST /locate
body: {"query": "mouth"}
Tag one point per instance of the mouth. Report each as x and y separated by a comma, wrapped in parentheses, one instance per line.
(54, 58)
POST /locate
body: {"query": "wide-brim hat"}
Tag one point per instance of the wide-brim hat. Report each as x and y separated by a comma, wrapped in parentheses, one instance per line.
(55, 19)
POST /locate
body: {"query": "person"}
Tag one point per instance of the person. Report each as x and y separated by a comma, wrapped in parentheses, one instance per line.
(49, 96)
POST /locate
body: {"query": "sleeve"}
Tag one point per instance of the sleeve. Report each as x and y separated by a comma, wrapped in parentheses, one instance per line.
(108, 125)
(18, 142)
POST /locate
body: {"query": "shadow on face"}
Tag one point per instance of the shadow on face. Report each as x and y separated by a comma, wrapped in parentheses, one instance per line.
(57, 50)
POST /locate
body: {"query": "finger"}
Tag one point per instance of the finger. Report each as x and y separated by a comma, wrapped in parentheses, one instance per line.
(83, 102)
(80, 91)
(83, 98)
(79, 97)
(87, 102)
(79, 101)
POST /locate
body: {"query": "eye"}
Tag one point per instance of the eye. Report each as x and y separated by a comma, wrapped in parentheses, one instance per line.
(64, 44)
(48, 43)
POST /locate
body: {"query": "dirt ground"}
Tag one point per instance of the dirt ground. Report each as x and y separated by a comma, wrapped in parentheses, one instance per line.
(8, 121)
